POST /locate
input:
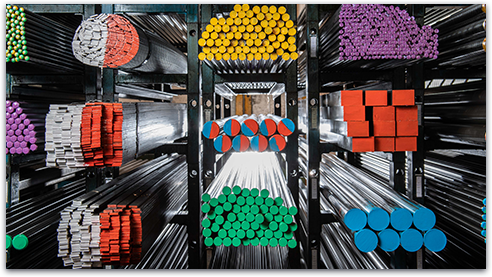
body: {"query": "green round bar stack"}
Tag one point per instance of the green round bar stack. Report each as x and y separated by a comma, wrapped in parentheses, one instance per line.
(242, 216)
(16, 48)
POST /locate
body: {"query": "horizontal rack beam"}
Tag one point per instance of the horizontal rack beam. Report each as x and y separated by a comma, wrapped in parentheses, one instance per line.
(454, 74)
(54, 8)
(274, 77)
(151, 78)
(46, 79)
(180, 148)
(149, 8)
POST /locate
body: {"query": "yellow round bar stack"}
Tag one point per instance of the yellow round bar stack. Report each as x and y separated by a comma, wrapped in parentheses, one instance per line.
(252, 33)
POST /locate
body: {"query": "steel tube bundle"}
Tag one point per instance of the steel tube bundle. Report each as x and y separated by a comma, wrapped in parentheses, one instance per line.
(462, 38)
(109, 40)
(455, 189)
(342, 252)
(38, 41)
(355, 35)
(456, 113)
(258, 132)
(109, 134)
(250, 257)
(24, 127)
(169, 251)
(121, 220)
(249, 204)
(31, 225)
(338, 249)
(397, 210)
(256, 40)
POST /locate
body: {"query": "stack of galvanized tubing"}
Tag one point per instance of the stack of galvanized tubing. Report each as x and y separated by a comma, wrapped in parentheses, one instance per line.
(249, 132)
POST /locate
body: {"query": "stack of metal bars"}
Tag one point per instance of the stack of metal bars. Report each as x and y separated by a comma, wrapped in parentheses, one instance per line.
(79, 231)
(462, 40)
(49, 47)
(456, 114)
(455, 184)
(33, 223)
(272, 179)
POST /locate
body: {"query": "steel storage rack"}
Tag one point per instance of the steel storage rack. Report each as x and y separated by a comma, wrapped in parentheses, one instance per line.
(210, 79)
(416, 174)
(318, 79)
(101, 85)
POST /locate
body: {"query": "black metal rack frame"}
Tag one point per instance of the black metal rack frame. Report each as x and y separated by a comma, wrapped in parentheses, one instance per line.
(200, 82)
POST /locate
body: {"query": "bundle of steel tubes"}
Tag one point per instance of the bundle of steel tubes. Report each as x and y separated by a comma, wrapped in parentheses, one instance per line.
(462, 38)
(120, 221)
(25, 127)
(337, 243)
(371, 120)
(258, 132)
(249, 204)
(109, 134)
(39, 41)
(379, 207)
(169, 251)
(250, 257)
(367, 35)
(256, 40)
(455, 184)
(31, 227)
(338, 250)
(110, 40)
(456, 113)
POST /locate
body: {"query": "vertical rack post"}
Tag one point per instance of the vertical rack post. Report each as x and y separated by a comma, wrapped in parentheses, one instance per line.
(227, 107)
(193, 154)
(278, 104)
(397, 172)
(312, 86)
(415, 159)
(94, 176)
(208, 86)
(108, 93)
(218, 106)
(292, 141)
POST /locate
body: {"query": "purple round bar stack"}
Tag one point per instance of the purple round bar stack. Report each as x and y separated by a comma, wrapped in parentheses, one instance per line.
(374, 31)
(21, 137)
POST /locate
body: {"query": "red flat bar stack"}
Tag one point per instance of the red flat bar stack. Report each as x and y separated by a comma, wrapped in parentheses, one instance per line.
(354, 113)
(395, 126)
(101, 134)
(121, 235)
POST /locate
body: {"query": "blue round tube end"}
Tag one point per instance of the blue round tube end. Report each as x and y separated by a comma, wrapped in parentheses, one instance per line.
(435, 240)
(378, 219)
(389, 240)
(355, 219)
(411, 240)
(424, 219)
(401, 219)
(366, 240)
